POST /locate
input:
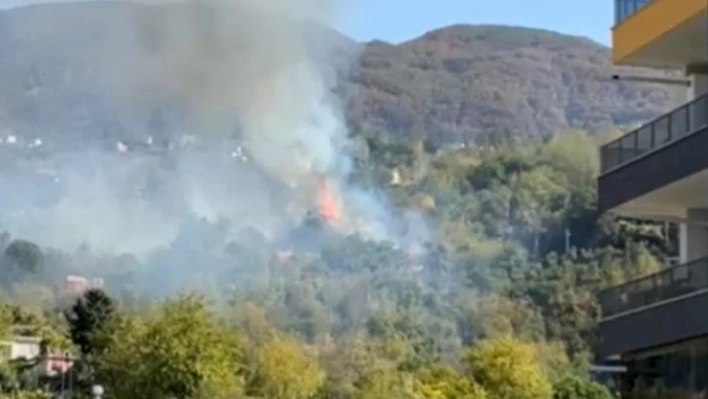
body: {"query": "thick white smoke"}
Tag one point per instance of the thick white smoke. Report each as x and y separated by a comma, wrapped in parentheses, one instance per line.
(251, 82)
(244, 62)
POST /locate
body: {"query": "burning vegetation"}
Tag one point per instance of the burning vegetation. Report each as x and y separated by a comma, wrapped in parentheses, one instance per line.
(381, 296)
(326, 205)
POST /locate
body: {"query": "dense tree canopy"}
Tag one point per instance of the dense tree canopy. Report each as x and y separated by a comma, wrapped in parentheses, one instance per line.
(576, 387)
(508, 369)
(497, 301)
(178, 351)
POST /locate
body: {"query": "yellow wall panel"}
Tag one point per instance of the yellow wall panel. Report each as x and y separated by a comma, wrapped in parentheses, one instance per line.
(650, 23)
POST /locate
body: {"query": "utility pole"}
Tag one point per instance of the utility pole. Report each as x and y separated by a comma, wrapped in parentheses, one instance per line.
(567, 240)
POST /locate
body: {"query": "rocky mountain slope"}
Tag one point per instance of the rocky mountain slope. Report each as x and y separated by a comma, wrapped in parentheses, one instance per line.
(461, 83)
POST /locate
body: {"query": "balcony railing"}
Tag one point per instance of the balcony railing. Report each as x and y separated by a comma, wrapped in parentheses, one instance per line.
(626, 8)
(678, 123)
(667, 284)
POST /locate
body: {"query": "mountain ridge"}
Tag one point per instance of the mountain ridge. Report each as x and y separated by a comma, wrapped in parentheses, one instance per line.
(461, 83)
(530, 82)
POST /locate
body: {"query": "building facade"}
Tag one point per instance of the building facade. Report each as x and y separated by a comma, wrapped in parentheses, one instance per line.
(49, 364)
(20, 348)
(658, 325)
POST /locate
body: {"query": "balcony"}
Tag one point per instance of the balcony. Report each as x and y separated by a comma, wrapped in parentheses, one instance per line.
(659, 33)
(655, 155)
(626, 8)
(673, 126)
(667, 284)
(661, 308)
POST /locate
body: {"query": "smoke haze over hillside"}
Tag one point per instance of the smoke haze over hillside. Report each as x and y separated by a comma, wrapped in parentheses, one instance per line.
(233, 119)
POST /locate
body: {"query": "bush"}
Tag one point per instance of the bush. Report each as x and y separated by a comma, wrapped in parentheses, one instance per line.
(574, 387)
(508, 369)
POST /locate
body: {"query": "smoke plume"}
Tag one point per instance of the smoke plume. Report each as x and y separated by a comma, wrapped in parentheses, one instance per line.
(239, 94)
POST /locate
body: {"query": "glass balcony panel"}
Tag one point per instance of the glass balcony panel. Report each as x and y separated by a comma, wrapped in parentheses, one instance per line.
(667, 284)
(645, 139)
(679, 124)
(610, 155)
(699, 275)
(685, 120)
(697, 115)
(628, 146)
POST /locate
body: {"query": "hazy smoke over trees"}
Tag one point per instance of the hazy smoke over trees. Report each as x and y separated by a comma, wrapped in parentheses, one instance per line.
(227, 115)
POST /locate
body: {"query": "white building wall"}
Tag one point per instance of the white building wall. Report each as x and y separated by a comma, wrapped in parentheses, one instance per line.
(693, 235)
(21, 347)
(699, 85)
(698, 117)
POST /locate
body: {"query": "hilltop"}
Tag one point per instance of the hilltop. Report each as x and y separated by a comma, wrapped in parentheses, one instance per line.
(463, 82)
(460, 83)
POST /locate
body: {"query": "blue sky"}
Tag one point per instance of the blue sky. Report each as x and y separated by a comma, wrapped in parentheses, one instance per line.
(398, 20)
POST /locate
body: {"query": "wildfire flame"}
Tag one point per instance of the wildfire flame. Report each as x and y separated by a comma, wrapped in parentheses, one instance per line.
(327, 208)
(284, 256)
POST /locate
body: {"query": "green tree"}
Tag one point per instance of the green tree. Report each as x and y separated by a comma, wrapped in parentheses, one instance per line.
(501, 317)
(88, 317)
(575, 387)
(21, 259)
(34, 394)
(384, 383)
(180, 350)
(443, 382)
(283, 369)
(508, 369)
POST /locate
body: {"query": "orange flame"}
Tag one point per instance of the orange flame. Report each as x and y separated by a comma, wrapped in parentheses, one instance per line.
(327, 208)
(284, 256)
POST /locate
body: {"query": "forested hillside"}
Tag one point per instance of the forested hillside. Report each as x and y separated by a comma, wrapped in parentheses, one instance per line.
(501, 304)
(473, 83)
(456, 84)
(190, 215)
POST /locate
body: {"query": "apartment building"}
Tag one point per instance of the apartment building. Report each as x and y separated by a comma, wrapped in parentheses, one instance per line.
(658, 325)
